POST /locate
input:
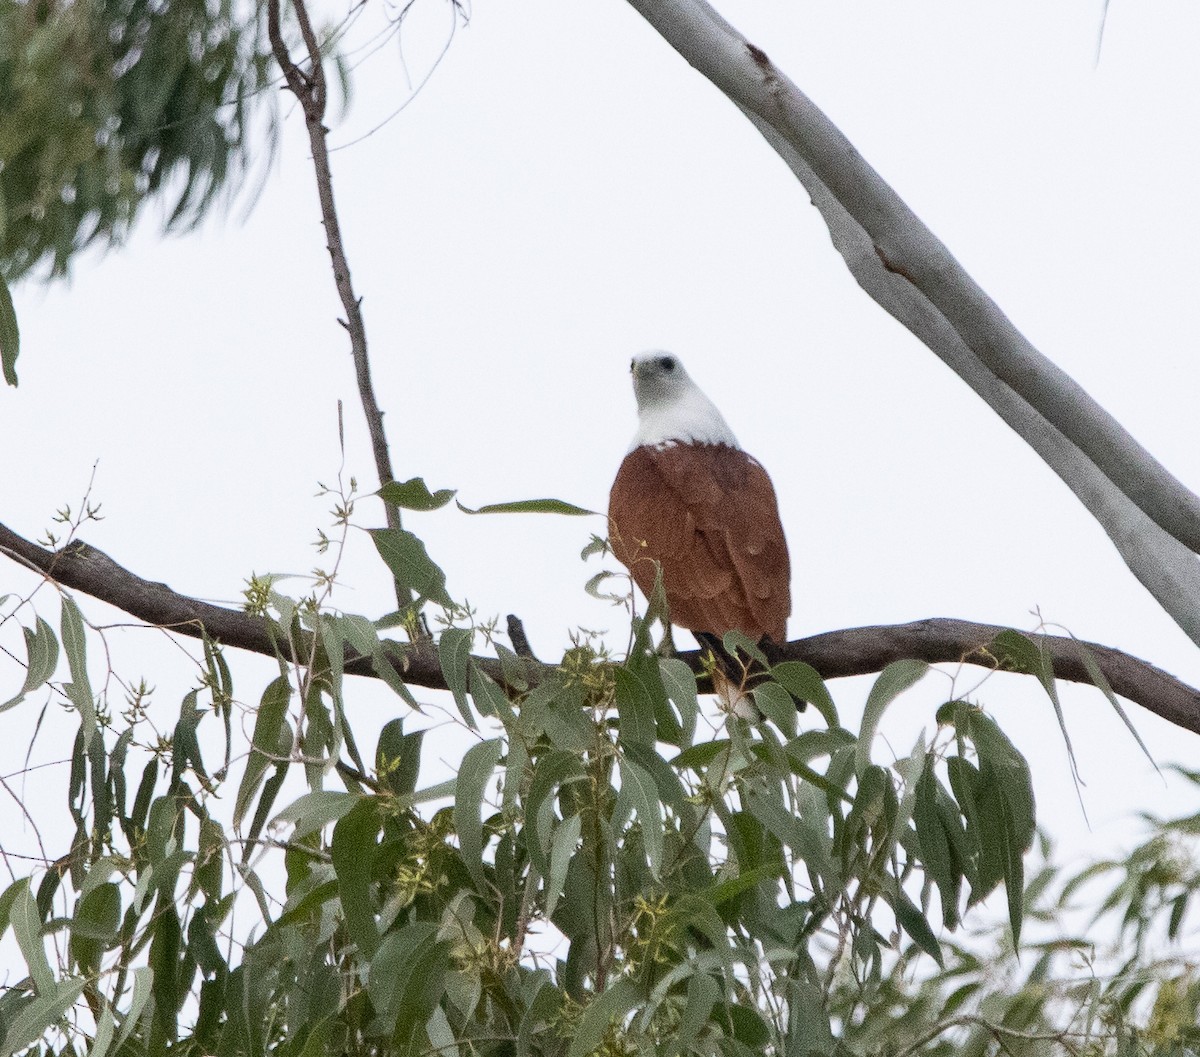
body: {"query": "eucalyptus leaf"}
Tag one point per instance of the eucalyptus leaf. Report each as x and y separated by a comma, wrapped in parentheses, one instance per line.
(268, 744)
(680, 684)
(41, 651)
(405, 555)
(891, 683)
(613, 1005)
(414, 494)
(562, 848)
(10, 334)
(79, 689)
(352, 853)
(639, 786)
(804, 683)
(26, 924)
(774, 702)
(530, 506)
(45, 1011)
(474, 774)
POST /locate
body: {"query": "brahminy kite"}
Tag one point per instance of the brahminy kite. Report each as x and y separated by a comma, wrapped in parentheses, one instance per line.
(687, 500)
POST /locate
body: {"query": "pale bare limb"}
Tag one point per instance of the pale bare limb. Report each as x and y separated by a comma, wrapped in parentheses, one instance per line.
(1165, 567)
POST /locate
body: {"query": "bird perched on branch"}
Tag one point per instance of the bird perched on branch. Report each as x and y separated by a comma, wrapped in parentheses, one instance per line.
(687, 500)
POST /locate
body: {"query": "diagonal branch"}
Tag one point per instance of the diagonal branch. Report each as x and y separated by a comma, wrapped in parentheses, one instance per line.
(834, 654)
(901, 264)
(1164, 566)
(310, 89)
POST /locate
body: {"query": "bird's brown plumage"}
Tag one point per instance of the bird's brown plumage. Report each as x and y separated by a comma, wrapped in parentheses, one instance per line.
(707, 514)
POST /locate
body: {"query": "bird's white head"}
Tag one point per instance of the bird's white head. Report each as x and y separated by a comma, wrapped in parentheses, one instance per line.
(672, 409)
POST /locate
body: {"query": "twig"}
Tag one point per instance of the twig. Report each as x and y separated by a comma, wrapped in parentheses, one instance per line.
(517, 636)
(309, 87)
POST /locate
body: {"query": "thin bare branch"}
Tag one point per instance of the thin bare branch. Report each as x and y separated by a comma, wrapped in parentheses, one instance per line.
(309, 87)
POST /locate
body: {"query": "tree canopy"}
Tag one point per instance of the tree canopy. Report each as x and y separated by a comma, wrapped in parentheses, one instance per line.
(613, 866)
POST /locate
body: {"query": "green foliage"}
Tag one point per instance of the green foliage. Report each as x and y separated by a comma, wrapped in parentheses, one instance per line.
(611, 871)
(108, 103)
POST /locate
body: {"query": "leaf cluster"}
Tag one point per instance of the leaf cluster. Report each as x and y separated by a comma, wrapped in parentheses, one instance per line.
(109, 102)
(606, 873)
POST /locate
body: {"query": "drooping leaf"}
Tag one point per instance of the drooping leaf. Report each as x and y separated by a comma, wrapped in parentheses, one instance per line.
(562, 848)
(1101, 683)
(1028, 654)
(79, 689)
(454, 655)
(270, 743)
(635, 708)
(669, 789)
(939, 855)
(97, 918)
(553, 770)
(774, 702)
(352, 852)
(26, 924)
(41, 650)
(910, 918)
(489, 698)
(476, 770)
(143, 988)
(638, 786)
(997, 801)
(405, 555)
(703, 993)
(106, 1027)
(802, 681)
(679, 682)
(999, 756)
(10, 335)
(398, 757)
(395, 981)
(613, 1005)
(893, 681)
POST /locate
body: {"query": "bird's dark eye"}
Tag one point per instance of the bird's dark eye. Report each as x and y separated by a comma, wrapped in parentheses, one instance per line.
(632, 366)
(667, 363)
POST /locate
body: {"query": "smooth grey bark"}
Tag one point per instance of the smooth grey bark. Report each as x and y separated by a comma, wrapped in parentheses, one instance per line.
(1152, 519)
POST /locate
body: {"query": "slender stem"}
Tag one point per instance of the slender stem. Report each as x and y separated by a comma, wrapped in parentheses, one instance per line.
(309, 87)
(998, 1031)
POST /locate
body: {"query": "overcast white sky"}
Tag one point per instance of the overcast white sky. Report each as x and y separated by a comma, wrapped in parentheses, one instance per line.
(565, 191)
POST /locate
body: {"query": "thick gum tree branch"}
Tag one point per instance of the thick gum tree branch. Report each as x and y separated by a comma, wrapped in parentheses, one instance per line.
(309, 87)
(834, 654)
(1152, 518)
(1164, 566)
